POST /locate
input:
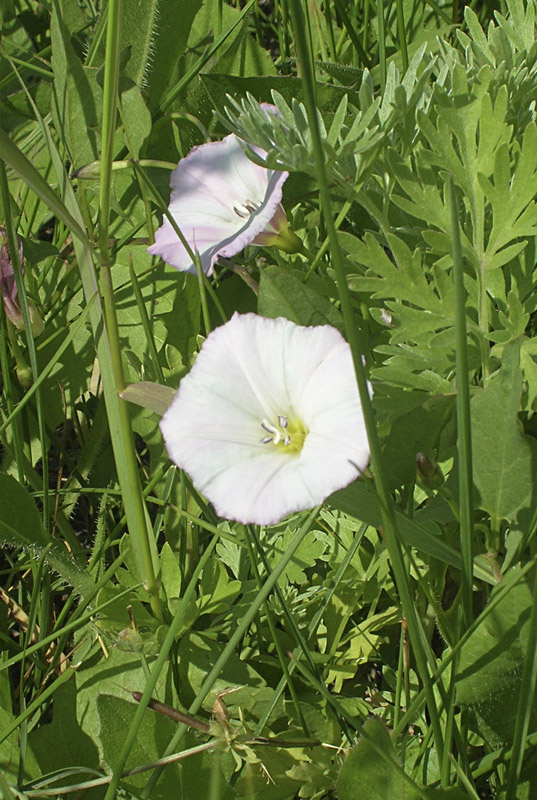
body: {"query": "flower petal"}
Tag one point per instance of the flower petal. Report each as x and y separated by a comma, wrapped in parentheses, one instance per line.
(252, 369)
(208, 185)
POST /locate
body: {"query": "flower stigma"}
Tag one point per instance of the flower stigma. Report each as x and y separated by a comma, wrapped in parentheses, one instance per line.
(288, 438)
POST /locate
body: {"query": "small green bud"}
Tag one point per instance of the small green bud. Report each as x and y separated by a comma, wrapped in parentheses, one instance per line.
(429, 473)
(24, 376)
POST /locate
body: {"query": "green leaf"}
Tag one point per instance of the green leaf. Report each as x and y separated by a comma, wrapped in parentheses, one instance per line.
(283, 293)
(261, 87)
(399, 275)
(367, 773)
(21, 526)
(217, 591)
(303, 558)
(491, 664)
(170, 572)
(72, 745)
(10, 754)
(20, 521)
(136, 119)
(18, 162)
(77, 100)
(197, 654)
(152, 396)
(156, 730)
(417, 431)
(138, 26)
(503, 456)
(170, 38)
(371, 771)
(241, 54)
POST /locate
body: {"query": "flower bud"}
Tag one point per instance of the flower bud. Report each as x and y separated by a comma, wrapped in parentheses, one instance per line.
(8, 289)
(429, 473)
(24, 376)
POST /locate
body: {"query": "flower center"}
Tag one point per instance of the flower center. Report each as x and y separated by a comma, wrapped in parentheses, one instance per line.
(249, 207)
(286, 436)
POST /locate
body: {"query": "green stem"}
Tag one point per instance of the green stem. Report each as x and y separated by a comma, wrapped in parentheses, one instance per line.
(525, 703)
(121, 433)
(382, 44)
(275, 637)
(401, 33)
(13, 246)
(419, 644)
(464, 433)
(8, 392)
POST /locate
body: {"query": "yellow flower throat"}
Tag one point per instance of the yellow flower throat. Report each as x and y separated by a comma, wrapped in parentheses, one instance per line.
(288, 435)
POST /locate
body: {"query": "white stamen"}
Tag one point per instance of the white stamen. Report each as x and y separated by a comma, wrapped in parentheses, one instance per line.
(249, 207)
(277, 435)
(241, 212)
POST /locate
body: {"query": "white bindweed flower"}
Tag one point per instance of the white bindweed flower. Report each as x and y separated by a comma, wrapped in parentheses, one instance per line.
(268, 421)
(222, 202)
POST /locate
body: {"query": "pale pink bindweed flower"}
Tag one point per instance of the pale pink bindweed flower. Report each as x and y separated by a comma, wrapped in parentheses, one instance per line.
(222, 202)
(268, 421)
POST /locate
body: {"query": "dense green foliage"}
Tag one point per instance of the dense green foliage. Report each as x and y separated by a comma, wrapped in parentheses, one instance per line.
(390, 635)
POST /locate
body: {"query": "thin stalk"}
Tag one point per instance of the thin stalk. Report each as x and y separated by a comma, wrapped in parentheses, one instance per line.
(122, 438)
(146, 324)
(401, 33)
(382, 44)
(275, 638)
(361, 55)
(365, 34)
(299, 639)
(102, 781)
(316, 13)
(282, 23)
(312, 627)
(448, 727)
(9, 395)
(525, 703)
(189, 76)
(203, 282)
(13, 246)
(325, 245)
(330, 27)
(418, 640)
(464, 435)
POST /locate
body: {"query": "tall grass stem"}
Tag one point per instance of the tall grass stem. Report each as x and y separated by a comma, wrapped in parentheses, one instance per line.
(464, 433)
(122, 437)
(421, 650)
